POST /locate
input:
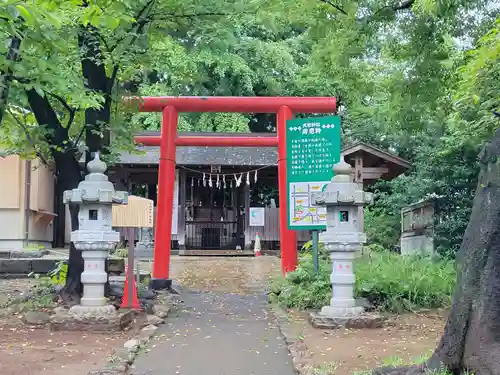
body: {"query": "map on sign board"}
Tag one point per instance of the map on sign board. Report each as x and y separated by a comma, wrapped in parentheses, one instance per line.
(303, 211)
(313, 146)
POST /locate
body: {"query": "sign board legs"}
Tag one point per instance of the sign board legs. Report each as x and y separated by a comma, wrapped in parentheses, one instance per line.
(130, 299)
(315, 240)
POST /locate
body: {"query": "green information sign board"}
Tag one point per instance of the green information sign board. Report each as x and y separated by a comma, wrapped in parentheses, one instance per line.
(312, 146)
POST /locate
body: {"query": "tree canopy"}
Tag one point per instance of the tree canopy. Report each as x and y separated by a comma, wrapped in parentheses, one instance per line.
(419, 78)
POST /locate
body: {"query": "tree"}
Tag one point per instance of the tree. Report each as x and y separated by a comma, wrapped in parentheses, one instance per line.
(408, 52)
(66, 89)
(470, 342)
(257, 55)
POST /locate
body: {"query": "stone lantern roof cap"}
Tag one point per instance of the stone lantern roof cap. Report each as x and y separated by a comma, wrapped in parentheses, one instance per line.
(342, 171)
(96, 188)
(96, 165)
(342, 190)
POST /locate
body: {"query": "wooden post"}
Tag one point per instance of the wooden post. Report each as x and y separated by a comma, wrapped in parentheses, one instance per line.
(358, 177)
(181, 228)
(246, 200)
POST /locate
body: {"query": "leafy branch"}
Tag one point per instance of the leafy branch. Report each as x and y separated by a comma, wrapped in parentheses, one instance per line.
(407, 4)
(332, 4)
(28, 136)
(64, 103)
(143, 17)
(201, 14)
(403, 5)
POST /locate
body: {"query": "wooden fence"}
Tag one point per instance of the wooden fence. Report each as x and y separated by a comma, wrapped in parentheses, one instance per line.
(271, 229)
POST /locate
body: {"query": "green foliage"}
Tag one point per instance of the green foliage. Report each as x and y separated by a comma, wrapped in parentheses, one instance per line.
(33, 247)
(382, 228)
(58, 274)
(307, 248)
(121, 252)
(302, 289)
(387, 280)
(43, 295)
(418, 78)
(400, 283)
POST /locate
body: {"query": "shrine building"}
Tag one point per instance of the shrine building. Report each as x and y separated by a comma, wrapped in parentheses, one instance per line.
(216, 190)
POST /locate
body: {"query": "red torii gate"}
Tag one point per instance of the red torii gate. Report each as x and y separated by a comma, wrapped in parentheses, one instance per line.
(284, 107)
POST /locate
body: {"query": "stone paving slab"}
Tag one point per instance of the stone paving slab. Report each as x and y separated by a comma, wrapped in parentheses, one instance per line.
(217, 334)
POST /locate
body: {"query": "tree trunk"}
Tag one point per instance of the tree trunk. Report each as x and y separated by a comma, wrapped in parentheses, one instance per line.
(68, 176)
(72, 291)
(471, 338)
(94, 75)
(6, 76)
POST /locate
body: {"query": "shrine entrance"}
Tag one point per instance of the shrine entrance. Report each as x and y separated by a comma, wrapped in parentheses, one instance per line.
(214, 217)
(283, 107)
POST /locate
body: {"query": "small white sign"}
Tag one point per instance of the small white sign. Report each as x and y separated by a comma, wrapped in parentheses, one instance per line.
(257, 216)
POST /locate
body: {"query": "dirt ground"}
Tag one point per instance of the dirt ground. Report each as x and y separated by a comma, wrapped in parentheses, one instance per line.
(406, 338)
(36, 351)
(33, 351)
(25, 350)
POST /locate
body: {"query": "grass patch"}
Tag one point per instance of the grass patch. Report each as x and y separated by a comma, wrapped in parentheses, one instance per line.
(42, 296)
(389, 281)
(330, 368)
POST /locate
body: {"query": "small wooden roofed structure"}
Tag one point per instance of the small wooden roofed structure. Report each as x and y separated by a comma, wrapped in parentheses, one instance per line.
(371, 163)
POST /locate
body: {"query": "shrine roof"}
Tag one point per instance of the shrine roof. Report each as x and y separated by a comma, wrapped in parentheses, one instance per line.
(374, 157)
(253, 156)
(203, 155)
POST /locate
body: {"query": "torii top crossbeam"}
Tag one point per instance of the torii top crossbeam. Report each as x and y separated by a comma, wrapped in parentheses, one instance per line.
(240, 104)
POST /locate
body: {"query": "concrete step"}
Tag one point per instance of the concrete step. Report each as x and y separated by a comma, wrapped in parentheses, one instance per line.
(26, 266)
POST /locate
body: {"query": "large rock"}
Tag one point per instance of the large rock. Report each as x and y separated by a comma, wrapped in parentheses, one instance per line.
(146, 293)
(161, 311)
(155, 320)
(147, 332)
(36, 318)
(132, 344)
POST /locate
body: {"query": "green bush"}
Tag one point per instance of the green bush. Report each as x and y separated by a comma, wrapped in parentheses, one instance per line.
(302, 289)
(396, 283)
(391, 282)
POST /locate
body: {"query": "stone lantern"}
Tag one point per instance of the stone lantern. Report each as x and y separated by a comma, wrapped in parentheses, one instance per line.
(95, 236)
(342, 240)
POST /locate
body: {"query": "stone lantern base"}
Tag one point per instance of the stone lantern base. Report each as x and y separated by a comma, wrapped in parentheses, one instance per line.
(97, 319)
(98, 312)
(344, 312)
(358, 321)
